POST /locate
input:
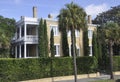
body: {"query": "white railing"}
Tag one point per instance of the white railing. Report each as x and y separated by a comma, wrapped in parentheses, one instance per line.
(31, 38)
(28, 38)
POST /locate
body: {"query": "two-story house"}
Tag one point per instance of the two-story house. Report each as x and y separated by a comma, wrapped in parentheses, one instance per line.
(25, 42)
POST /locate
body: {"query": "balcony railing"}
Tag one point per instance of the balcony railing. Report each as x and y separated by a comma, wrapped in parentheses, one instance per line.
(28, 38)
(31, 38)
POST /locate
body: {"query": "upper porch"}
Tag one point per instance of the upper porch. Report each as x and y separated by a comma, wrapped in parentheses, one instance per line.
(26, 30)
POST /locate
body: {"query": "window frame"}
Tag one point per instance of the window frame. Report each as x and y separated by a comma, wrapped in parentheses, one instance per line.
(55, 29)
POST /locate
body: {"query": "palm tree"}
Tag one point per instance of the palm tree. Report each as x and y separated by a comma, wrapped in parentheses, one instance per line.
(72, 17)
(112, 36)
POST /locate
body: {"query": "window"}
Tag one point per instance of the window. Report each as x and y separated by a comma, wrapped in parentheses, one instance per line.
(69, 33)
(55, 30)
(90, 32)
(77, 33)
(57, 50)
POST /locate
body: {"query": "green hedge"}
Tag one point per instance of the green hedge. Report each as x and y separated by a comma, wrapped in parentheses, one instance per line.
(13, 70)
(116, 63)
(105, 65)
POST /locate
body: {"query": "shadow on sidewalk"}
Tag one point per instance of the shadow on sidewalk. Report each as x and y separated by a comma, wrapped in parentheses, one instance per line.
(118, 80)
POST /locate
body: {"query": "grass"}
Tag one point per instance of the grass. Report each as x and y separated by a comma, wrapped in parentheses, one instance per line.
(104, 81)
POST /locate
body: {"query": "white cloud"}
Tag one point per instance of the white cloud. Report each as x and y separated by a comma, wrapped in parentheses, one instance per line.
(96, 9)
(55, 14)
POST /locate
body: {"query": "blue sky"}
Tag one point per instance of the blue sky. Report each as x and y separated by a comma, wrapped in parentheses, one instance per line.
(16, 8)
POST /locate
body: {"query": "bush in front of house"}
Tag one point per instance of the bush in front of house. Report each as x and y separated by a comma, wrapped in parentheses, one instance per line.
(116, 63)
(12, 70)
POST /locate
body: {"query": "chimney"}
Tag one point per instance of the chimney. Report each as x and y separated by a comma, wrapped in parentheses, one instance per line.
(50, 16)
(89, 19)
(34, 12)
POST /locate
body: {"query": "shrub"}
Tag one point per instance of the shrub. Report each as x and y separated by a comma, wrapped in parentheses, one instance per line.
(86, 65)
(105, 65)
(12, 70)
(116, 63)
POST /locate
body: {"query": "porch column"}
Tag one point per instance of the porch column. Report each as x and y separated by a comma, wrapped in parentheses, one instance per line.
(20, 51)
(25, 32)
(90, 51)
(16, 51)
(24, 50)
(20, 31)
(70, 51)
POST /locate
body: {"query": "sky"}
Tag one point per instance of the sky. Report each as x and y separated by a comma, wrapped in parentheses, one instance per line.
(17, 8)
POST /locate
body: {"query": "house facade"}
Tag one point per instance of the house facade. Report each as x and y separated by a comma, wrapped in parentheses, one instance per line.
(25, 41)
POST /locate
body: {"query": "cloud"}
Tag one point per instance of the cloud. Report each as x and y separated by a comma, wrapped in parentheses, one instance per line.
(96, 9)
(54, 14)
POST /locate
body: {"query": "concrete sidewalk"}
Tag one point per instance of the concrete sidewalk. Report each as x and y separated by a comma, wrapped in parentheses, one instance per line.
(80, 78)
(103, 77)
(64, 78)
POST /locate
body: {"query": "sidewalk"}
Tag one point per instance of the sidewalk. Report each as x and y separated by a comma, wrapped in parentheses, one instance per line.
(103, 77)
(71, 79)
(64, 78)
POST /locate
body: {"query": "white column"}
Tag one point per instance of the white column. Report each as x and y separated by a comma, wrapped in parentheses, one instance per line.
(90, 51)
(19, 51)
(25, 32)
(16, 51)
(70, 51)
(24, 50)
(20, 31)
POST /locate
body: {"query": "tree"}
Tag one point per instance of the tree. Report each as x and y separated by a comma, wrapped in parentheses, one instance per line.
(52, 44)
(85, 42)
(41, 45)
(112, 35)
(94, 45)
(45, 39)
(112, 14)
(62, 29)
(7, 30)
(72, 17)
(65, 47)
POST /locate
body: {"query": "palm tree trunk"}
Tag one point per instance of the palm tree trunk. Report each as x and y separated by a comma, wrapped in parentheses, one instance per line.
(74, 55)
(111, 60)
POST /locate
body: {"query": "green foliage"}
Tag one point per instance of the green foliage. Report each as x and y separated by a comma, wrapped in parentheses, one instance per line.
(7, 29)
(116, 63)
(72, 17)
(112, 14)
(95, 46)
(65, 46)
(88, 66)
(85, 42)
(13, 70)
(52, 44)
(105, 65)
(43, 39)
